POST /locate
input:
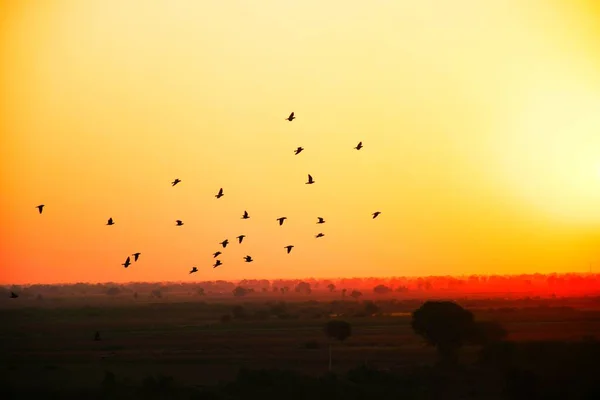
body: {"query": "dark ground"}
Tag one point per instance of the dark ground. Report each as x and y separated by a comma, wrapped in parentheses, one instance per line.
(47, 345)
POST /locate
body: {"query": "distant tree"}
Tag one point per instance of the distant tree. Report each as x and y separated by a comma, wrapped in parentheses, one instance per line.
(240, 291)
(39, 297)
(113, 291)
(200, 291)
(443, 324)
(156, 293)
(282, 290)
(401, 289)
(135, 295)
(486, 332)
(275, 289)
(331, 287)
(264, 290)
(344, 292)
(303, 287)
(338, 330)
(381, 289)
(355, 294)
(239, 312)
(370, 307)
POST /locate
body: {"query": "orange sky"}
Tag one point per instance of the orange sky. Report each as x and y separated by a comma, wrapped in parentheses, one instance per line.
(480, 122)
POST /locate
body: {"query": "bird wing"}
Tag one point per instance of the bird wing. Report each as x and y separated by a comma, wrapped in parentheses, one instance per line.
(221, 191)
(291, 115)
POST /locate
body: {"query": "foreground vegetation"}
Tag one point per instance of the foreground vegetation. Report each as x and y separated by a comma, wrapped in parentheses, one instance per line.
(257, 347)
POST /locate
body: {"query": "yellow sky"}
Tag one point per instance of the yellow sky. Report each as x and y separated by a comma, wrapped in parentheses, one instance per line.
(479, 119)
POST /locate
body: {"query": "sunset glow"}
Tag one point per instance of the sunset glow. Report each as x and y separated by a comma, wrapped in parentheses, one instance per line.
(480, 123)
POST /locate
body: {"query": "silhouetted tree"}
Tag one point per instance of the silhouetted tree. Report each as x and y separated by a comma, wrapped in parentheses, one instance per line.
(113, 291)
(303, 287)
(370, 307)
(200, 291)
(331, 287)
(355, 294)
(443, 324)
(344, 292)
(240, 291)
(381, 289)
(156, 293)
(339, 330)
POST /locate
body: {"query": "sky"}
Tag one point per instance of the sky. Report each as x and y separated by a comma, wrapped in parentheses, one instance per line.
(479, 122)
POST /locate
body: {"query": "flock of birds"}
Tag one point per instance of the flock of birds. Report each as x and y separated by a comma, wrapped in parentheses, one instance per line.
(224, 243)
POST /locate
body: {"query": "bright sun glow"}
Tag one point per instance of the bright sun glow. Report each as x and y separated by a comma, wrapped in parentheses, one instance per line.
(551, 154)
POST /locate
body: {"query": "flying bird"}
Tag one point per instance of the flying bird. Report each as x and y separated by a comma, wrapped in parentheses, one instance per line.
(281, 219)
(220, 194)
(376, 214)
(320, 221)
(298, 150)
(179, 222)
(136, 256)
(320, 234)
(241, 237)
(194, 269)
(217, 264)
(110, 222)
(217, 254)
(310, 180)
(127, 262)
(40, 208)
(175, 182)
(245, 216)
(248, 259)
(13, 295)
(224, 243)
(359, 146)
(289, 248)
(291, 117)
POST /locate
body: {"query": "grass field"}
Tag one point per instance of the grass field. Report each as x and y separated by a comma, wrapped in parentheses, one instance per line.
(51, 342)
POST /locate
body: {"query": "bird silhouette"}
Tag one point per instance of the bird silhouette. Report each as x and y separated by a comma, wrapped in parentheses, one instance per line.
(224, 243)
(217, 254)
(240, 238)
(245, 216)
(289, 248)
(40, 208)
(110, 222)
(376, 214)
(320, 221)
(220, 194)
(248, 259)
(194, 269)
(127, 262)
(298, 150)
(359, 146)
(136, 256)
(175, 182)
(179, 222)
(217, 264)
(310, 180)
(291, 117)
(13, 295)
(281, 219)
(320, 234)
